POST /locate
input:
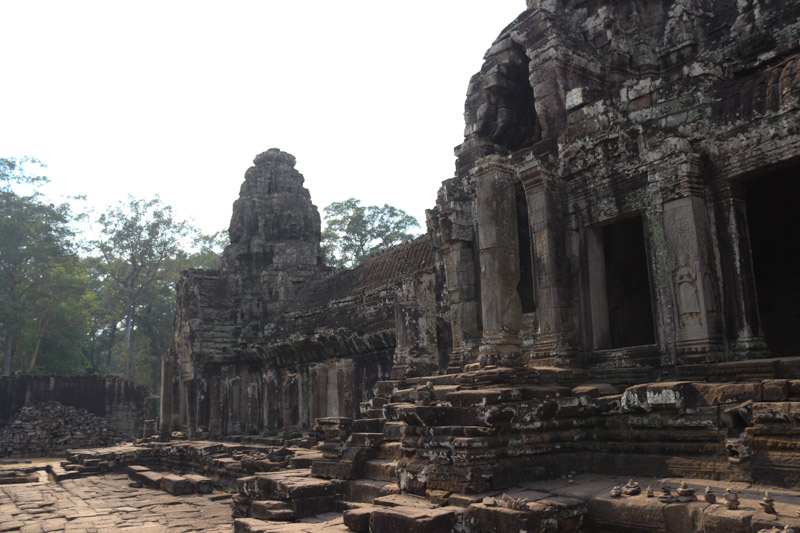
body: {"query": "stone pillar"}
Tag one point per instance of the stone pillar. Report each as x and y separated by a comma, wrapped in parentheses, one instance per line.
(272, 405)
(166, 414)
(253, 400)
(215, 408)
(689, 260)
(501, 308)
(459, 266)
(551, 269)
(345, 397)
(742, 320)
(318, 375)
(291, 406)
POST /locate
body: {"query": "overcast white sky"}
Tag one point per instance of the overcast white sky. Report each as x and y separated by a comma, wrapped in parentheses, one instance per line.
(176, 97)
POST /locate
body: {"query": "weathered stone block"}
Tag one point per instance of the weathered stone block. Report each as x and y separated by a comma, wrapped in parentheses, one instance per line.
(175, 485)
(358, 519)
(412, 519)
(272, 510)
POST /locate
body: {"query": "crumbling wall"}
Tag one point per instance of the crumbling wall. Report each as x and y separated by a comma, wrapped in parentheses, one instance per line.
(120, 402)
(275, 338)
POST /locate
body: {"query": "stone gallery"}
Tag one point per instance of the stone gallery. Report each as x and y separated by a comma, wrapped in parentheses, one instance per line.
(600, 324)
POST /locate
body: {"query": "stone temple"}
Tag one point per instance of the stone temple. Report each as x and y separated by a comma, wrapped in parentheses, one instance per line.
(607, 289)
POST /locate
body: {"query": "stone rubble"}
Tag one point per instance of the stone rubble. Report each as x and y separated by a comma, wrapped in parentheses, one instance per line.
(51, 428)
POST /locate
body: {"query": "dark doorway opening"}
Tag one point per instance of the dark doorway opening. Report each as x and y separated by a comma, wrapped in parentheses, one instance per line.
(774, 225)
(525, 288)
(630, 309)
(444, 343)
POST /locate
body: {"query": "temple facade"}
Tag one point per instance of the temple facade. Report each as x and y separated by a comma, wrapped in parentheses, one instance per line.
(621, 210)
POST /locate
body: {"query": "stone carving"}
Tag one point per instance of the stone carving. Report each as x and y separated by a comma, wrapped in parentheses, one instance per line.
(684, 23)
(689, 310)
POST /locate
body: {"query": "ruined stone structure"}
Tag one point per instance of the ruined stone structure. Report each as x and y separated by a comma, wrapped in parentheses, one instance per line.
(122, 404)
(623, 186)
(607, 284)
(276, 339)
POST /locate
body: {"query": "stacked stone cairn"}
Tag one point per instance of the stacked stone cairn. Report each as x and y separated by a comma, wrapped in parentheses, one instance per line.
(50, 428)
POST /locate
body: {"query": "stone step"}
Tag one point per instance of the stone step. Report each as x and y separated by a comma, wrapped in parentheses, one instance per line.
(415, 519)
(200, 484)
(365, 440)
(381, 469)
(272, 510)
(358, 519)
(368, 425)
(377, 402)
(321, 523)
(175, 485)
(374, 412)
(384, 389)
(367, 490)
(403, 500)
(390, 450)
(393, 430)
(59, 474)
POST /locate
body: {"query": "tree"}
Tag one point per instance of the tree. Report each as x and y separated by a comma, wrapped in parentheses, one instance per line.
(35, 239)
(138, 241)
(55, 321)
(207, 251)
(353, 233)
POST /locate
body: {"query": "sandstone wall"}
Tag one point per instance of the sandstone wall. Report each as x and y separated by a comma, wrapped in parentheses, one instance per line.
(645, 129)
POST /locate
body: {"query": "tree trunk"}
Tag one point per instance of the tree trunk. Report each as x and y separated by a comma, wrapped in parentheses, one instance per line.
(112, 338)
(129, 366)
(7, 352)
(36, 349)
(9, 346)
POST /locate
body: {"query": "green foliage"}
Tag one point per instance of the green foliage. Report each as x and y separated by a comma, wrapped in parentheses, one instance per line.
(139, 240)
(110, 312)
(208, 250)
(354, 233)
(36, 250)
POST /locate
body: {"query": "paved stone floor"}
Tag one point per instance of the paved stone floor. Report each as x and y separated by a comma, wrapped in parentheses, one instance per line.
(106, 504)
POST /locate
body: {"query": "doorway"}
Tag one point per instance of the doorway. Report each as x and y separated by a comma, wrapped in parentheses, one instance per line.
(774, 226)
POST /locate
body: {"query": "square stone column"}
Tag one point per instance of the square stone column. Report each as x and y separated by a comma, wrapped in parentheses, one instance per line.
(458, 257)
(742, 320)
(291, 406)
(168, 417)
(498, 243)
(698, 332)
(551, 269)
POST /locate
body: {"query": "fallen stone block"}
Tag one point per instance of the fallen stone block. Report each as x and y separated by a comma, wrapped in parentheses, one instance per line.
(554, 514)
(413, 519)
(272, 510)
(358, 519)
(137, 473)
(200, 484)
(175, 485)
